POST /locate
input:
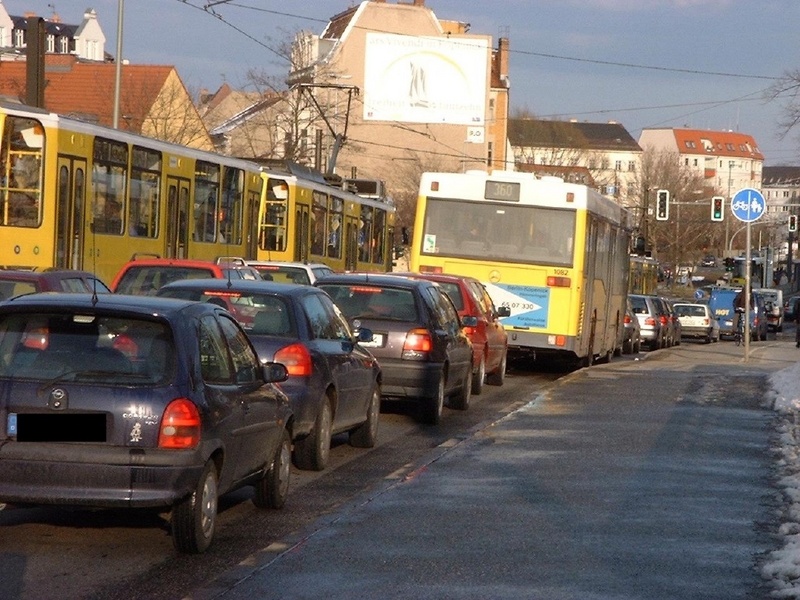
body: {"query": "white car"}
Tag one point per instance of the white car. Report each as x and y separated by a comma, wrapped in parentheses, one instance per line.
(286, 271)
(697, 321)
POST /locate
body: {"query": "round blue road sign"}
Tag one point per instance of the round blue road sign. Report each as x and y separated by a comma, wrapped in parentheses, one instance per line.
(748, 205)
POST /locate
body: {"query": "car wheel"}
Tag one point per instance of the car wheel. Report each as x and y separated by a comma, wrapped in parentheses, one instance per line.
(312, 452)
(432, 407)
(366, 434)
(499, 376)
(273, 488)
(195, 518)
(461, 400)
(479, 376)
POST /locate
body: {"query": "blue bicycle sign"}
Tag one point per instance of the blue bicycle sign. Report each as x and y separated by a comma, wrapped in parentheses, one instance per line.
(748, 205)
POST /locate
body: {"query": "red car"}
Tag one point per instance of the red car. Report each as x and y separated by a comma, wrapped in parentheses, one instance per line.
(489, 338)
(142, 276)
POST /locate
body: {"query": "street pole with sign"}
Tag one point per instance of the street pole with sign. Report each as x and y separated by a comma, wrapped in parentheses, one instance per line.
(747, 205)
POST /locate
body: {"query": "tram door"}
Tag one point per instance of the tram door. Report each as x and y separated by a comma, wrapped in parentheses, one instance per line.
(177, 226)
(254, 226)
(70, 213)
(351, 244)
(301, 232)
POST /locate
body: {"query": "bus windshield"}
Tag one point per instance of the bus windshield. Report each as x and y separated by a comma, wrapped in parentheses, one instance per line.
(499, 232)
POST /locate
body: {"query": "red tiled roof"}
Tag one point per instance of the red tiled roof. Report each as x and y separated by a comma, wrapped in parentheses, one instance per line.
(86, 89)
(717, 143)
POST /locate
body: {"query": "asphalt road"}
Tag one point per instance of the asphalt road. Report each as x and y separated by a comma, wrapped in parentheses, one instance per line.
(637, 480)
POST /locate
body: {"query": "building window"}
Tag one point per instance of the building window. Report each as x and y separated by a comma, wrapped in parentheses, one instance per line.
(618, 165)
(631, 166)
(19, 38)
(489, 155)
(51, 43)
(63, 45)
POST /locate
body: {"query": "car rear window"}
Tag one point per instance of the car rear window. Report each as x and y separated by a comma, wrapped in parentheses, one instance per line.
(264, 314)
(683, 310)
(86, 348)
(284, 274)
(144, 280)
(9, 289)
(639, 305)
(373, 302)
(453, 292)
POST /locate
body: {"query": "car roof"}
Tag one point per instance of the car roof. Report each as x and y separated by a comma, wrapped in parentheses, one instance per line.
(381, 280)
(444, 277)
(150, 305)
(286, 263)
(239, 285)
(55, 274)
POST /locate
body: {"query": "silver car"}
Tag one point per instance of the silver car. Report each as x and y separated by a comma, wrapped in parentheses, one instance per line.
(648, 311)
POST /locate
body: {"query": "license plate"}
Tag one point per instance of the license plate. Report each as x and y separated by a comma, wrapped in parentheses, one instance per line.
(377, 341)
(69, 427)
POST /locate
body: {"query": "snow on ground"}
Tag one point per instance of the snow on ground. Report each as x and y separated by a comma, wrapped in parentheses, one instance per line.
(782, 566)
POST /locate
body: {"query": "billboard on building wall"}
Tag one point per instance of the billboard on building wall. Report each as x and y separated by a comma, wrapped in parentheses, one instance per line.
(425, 79)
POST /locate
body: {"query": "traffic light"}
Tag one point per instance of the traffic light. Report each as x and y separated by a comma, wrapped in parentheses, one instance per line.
(792, 222)
(662, 205)
(729, 262)
(717, 208)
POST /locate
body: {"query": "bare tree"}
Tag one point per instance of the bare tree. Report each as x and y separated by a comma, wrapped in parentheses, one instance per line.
(689, 231)
(787, 90)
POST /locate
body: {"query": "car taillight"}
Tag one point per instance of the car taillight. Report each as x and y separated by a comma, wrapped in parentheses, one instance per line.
(627, 320)
(180, 426)
(663, 319)
(296, 358)
(650, 321)
(417, 345)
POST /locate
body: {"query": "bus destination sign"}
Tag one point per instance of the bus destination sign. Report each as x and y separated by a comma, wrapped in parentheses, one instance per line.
(502, 190)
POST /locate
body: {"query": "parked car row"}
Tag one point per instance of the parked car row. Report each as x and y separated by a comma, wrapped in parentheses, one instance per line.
(194, 383)
(658, 323)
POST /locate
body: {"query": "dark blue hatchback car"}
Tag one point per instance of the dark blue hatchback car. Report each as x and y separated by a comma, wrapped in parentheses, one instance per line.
(334, 383)
(124, 401)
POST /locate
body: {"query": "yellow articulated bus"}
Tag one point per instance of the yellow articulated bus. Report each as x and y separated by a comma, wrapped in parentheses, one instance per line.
(78, 195)
(554, 253)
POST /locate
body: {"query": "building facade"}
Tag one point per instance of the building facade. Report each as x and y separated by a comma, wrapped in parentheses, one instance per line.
(727, 161)
(84, 40)
(400, 91)
(601, 155)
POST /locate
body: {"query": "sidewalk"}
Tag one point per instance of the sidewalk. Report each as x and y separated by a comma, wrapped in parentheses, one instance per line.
(633, 480)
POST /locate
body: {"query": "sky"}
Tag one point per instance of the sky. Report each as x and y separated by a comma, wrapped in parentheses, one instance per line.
(704, 64)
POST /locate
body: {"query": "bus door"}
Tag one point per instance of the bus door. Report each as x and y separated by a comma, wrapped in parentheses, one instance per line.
(251, 241)
(177, 237)
(70, 212)
(351, 244)
(590, 263)
(301, 232)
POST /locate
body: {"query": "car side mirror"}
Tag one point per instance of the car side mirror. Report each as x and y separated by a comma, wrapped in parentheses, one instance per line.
(469, 321)
(503, 311)
(274, 372)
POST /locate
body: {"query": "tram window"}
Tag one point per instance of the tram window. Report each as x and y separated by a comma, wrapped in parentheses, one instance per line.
(21, 172)
(231, 210)
(335, 228)
(319, 215)
(145, 184)
(109, 176)
(365, 233)
(378, 236)
(206, 208)
(272, 231)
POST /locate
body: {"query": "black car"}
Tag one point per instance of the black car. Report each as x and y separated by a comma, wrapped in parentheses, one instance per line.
(334, 384)
(121, 402)
(18, 282)
(417, 336)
